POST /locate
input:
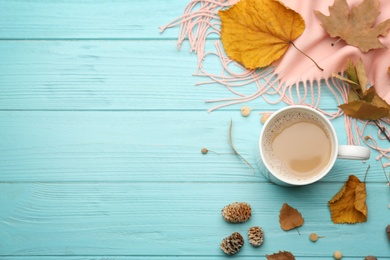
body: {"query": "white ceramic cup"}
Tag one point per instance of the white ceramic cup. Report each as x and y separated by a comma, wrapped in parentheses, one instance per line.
(282, 177)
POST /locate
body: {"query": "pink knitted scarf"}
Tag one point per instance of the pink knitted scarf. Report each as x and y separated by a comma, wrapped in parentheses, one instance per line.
(293, 79)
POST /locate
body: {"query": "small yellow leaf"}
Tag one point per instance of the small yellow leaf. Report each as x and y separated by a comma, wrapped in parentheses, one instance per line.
(361, 75)
(351, 73)
(353, 96)
(349, 204)
(258, 32)
(290, 218)
(347, 80)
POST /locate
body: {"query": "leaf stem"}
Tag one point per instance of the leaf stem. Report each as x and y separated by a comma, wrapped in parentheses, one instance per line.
(365, 176)
(307, 56)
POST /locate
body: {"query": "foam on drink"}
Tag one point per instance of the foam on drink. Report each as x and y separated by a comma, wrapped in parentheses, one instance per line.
(297, 145)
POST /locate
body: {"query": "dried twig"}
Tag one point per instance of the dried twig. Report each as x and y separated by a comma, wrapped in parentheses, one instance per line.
(234, 149)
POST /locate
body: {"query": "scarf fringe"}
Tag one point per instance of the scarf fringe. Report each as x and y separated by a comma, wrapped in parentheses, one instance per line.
(200, 19)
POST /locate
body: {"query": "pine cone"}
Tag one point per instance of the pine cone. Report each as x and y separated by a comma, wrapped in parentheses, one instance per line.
(370, 257)
(256, 236)
(232, 244)
(237, 212)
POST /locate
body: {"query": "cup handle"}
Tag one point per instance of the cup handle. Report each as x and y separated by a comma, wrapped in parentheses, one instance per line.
(353, 152)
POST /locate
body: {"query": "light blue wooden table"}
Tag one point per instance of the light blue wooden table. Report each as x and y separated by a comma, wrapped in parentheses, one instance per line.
(101, 127)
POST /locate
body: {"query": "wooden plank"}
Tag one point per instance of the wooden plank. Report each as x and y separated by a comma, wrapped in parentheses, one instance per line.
(52, 146)
(109, 75)
(115, 257)
(178, 219)
(88, 19)
(107, 257)
(110, 257)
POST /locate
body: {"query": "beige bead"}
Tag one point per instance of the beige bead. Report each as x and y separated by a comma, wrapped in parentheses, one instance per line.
(337, 255)
(313, 237)
(246, 111)
(264, 118)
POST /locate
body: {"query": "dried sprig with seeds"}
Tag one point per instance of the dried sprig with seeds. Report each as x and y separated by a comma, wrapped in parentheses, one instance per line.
(234, 149)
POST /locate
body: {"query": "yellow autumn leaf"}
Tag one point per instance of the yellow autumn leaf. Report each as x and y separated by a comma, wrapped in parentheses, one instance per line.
(349, 204)
(258, 32)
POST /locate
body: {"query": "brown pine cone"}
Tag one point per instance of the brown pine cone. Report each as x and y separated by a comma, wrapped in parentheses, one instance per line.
(370, 257)
(232, 244)
(256, 236)
(237, 212)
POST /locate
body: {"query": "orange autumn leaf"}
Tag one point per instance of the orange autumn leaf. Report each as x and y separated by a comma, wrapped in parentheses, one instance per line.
(258, 32)
(285, 255)
(290, 218)
(349, 204)
(355, 26)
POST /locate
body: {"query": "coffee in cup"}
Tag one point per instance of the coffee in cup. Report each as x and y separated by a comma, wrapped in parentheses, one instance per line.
(298, 146)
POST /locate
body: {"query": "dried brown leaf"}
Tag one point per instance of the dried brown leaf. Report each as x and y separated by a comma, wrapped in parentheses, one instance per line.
(282, 255)
(364, 110)
(290, 218)
(349, 204)
(351, 73)
(363, 103)
(355, 25)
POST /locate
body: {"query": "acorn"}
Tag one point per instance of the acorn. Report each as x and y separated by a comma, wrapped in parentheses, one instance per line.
(232, 244)
(237, 212)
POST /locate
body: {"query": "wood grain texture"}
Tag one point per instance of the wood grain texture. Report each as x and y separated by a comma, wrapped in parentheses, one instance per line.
(101, 127)
(178, 219)
(111, 75)
(88, 19)
(140, 146)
